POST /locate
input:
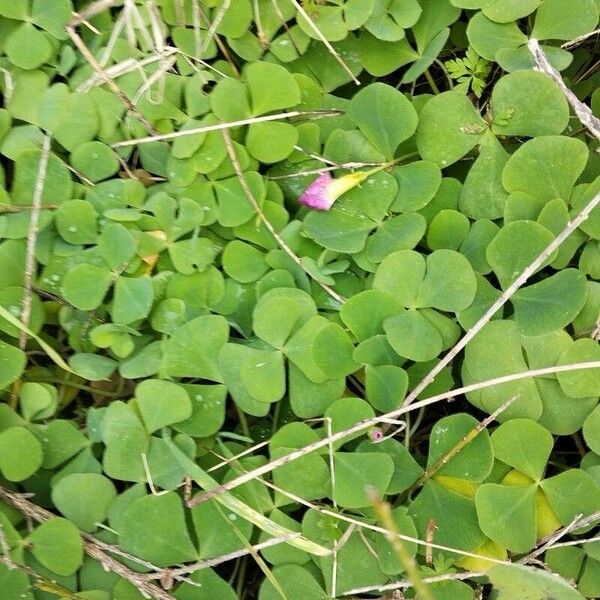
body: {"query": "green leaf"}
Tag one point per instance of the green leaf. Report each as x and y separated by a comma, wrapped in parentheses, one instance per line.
(483, 195)
(92, 366)
(132, 299)
(572, 493)
(57, 544)
(263, 374)
(515, 247)
(27, 47)
(365, 312)
(418, 183)
(164, 516)
(283, 91)
(449, 127)
(332, 351)
(591, 430)
(20, 454)
(85, 286)
(496, 351)
(95, 161)
(449, 283)
(550, 304)
(84, 498)
(162, 403)
(507, 515)
(58, 185)
(524, 445)
(474, 461)
(553, 23)
(356, 473)
(243, 262)
(193, 348)
(280, 312)
(413, 336)
(385, 386)
(384, 115)
(271, 142)
(437, 502)
(12, 364)
(52, 18)
(546, 167)
(488, 38)
(295, 581)
(580, 384)
(534, 102)
(76, 222)
(212, 585)
(529, 584)
(505, 11)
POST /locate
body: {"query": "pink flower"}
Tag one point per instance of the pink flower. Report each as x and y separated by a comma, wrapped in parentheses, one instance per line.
(325, 190)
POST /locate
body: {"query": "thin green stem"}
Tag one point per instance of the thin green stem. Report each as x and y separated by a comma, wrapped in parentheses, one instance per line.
(431, 82)
(243, 422)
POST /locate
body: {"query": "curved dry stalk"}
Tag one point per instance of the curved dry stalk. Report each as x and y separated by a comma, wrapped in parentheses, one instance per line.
(368, 423)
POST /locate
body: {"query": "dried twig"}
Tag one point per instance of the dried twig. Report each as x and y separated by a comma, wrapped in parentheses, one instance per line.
(32, 235)
(504, 298)
(325, 41)
(224, 126)
(368, 423)
(468, 438)
(90, 11)
(252, 200)
(579, 39)
(92, 547)
(114, 88)
(407, 583)
(583, 112)
(550, 541)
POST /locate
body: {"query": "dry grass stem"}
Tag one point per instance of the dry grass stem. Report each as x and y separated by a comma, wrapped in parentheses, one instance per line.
(583, 112)
(32, 235)
(224, 126)
(383, 510)
(92, 547)
(325, 41)
(252, 200)
(114, 88)
(367, 423)
(464, 441)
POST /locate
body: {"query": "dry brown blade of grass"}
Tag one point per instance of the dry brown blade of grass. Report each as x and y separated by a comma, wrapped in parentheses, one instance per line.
(367, 423)
(253, 202)
(114, 88)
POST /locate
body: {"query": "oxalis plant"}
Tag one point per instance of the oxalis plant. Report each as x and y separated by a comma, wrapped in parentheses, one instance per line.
(299, 299)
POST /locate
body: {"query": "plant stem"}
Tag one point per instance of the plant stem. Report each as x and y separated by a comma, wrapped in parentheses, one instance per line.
(431, 82)
(383, 510)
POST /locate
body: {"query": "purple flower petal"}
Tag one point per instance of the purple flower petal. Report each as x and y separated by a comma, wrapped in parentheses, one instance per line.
(317, 195)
